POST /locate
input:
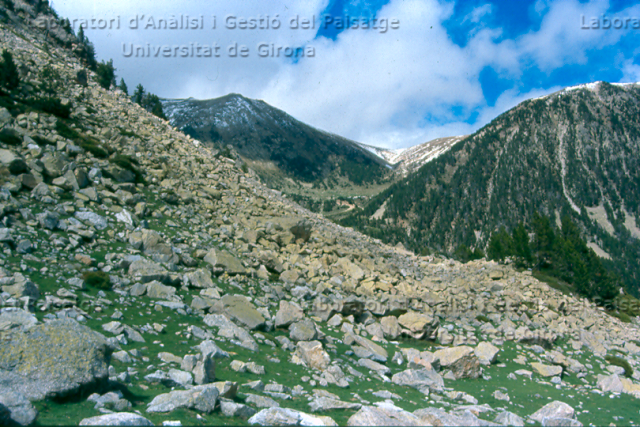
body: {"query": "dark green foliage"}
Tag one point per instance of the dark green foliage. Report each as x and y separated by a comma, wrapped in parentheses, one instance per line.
(619, 361)
(10, 137)
(86, 51)
(500, 245)
(51, 105)
(483, 318)
(42, 141)
(148, 101)
(87, 143)
(329, 205)
(138, 95)
(97, 279)
(128, 163)
(361, 172)
(82, 77)
(123, 86)
(464, 254)
(106, 74)
(520, 246)
(9, 76)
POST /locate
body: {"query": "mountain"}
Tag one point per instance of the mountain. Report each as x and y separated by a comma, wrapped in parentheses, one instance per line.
(407, 160)
(575, 152)
(145, 279)
(266, 136)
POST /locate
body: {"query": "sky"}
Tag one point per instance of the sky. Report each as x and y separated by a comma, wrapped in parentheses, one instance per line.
(420, 70)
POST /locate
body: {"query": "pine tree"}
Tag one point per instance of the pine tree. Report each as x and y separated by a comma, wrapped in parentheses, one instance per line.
(106, 74)
(499, 245)
(9, 76)
(138, 95)
(521, 248)
(123, 87)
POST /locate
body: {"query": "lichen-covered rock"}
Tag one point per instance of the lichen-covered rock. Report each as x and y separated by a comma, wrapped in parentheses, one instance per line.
(53, 359)
(21, 411)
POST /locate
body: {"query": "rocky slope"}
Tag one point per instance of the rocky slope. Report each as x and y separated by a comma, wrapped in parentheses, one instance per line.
(145, 280)
(571, 153)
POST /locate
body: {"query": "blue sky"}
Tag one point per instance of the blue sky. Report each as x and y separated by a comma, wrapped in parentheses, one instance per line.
(450, 68)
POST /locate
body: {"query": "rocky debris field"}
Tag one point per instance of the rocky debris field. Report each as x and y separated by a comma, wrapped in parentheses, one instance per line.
(146, 282)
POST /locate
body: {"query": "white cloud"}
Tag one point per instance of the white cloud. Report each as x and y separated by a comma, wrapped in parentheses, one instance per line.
(394, 89)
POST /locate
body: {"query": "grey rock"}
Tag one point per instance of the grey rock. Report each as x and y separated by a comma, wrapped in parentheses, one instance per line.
(48, 220)
(509, 419)
(610, 384)
(200, 278)
(288, 313)
(202, 398)
(261, 401)
(53, 359)
(156, 290)
(147, 271)
(232, 409)
(12, 161)
(93, 218)
(560, 422)
(385, 414)
(117, 419)
(305, 330)
(322, 404)
(555, 409)
(288, 417)
(420, 379)
(209, 349)
(239, 308)
(374, 366)
(11, 318)
(205, 370)
(21, 411)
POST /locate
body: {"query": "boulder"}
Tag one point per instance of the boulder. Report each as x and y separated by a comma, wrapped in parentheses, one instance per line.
(288, 313)
(313, 355)
(200, 278)
(11, 318)
(156, 290)
(288, 417)
(233, 409)
(117, 419)
(546, 370)
(385, 414)
(421, 325)
(21, 411)
(555, 409)
(239, 308)
(302, 230)
(305, 330)
(202, 398)
(224, 262)
(322, 404)
(610, 384)
(390, 327)
(13, 162)
(423, 380)
(53, 359)
(147, 271)
(486, 353)
(99, 222)
(461, 360)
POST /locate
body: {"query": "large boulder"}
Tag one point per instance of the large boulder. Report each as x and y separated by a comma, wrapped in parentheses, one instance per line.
(202, 398)
(240, 309)
(53, 359)
(156, 290)
(200, 278)
(486, 353)
(11, 318)
(386, 414)
(289, 417)
(117, 419)
(147, 271)
(21, 411)
(547, 370)
(288, 313)
(423, 380)
(312, 353)
(222, 261)
(461, 360)
(555, 409)
(420, 325)
(12, 161)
